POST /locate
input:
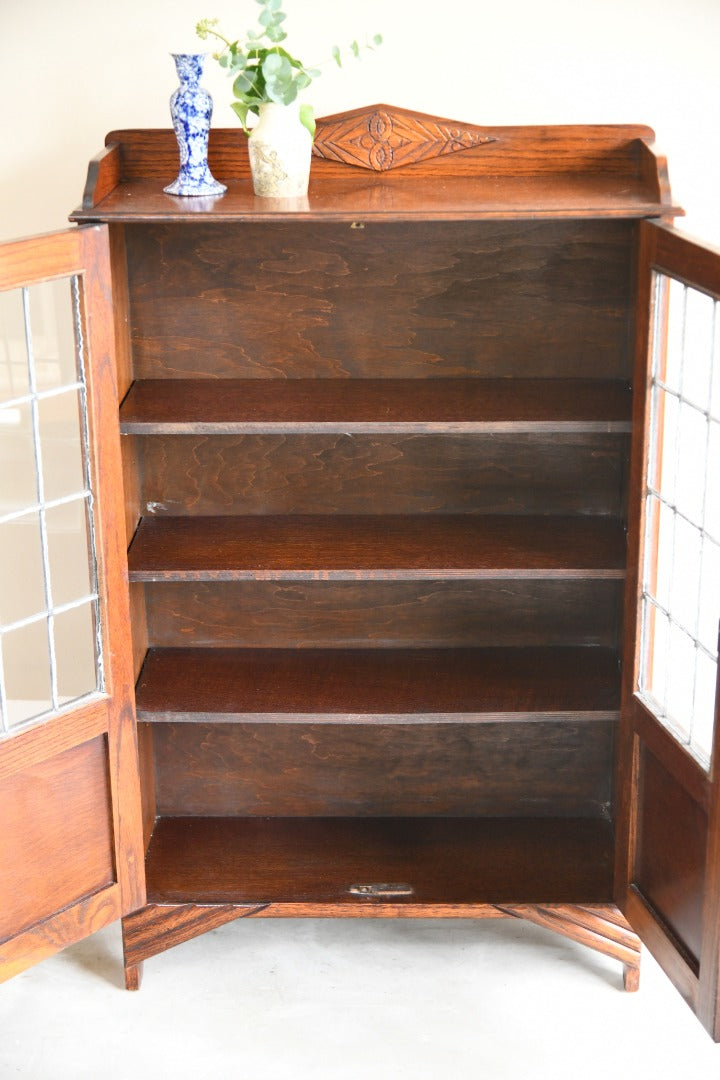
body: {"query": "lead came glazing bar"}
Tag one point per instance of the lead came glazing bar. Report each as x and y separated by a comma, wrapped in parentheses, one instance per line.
(680, 458)
(51, 661)
(39, 479)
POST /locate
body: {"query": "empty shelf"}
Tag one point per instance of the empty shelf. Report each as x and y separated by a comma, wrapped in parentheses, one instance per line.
(368, 685)
(292, 863)
(375, 547)
(237, 406)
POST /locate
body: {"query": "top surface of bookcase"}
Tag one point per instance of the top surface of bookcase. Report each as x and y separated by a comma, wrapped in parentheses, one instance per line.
(384, 163)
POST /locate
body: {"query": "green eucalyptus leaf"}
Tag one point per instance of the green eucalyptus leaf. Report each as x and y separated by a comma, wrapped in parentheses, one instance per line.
(355, 49)
(378, 39)
(274, 63)
(243, 84)
(336, 55)
(302, 80)
(307, 118)
(241, 110)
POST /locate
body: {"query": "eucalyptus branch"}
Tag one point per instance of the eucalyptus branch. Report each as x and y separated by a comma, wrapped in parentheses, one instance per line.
(264, 73)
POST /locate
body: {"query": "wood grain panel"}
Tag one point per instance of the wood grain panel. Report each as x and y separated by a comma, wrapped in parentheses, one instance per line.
(56, 835)
(391, 300)
(517, 150)
(372, 685)
(299, 547)
(388, 199)
(545, 769)
(73, 924)
(317, 860)
(670, 856)
(382, 614)
(356, 474)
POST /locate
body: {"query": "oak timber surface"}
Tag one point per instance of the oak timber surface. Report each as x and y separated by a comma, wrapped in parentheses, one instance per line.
(302, 547)
(505, 768)
(318, 860)
(391, 198)
(236, 406)
(368, 685)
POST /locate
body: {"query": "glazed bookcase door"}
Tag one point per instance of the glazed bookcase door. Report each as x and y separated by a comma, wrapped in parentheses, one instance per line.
(70, 834)
(669, 858)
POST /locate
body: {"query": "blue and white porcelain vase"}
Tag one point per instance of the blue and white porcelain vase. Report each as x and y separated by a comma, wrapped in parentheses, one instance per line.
(191, 109)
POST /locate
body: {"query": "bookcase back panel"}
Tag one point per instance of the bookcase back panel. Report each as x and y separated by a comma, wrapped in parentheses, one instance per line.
(508, 769)
(364, 300)
(365, 474)
(325, 614)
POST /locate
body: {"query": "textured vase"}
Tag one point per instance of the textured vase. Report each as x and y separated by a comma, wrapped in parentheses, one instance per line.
(191, 109)
(280, 147)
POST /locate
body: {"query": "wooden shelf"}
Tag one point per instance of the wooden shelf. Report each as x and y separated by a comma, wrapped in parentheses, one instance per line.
(370, 198)
(375, 547)
(402, 685)
(516, 172)
(315, 862)
(239, 406)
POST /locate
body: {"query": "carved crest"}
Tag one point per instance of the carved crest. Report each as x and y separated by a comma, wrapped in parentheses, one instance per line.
(382, 138)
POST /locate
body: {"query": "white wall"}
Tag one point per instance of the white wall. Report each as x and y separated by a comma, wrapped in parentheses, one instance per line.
(71, 70)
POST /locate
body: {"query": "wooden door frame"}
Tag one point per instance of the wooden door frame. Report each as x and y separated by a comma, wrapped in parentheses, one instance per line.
(661, 248)
(84, 252)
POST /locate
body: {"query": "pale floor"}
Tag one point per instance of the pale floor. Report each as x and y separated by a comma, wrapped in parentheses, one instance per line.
(331, 1000)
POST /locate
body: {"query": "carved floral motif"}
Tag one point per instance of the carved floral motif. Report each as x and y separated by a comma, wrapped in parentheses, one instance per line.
(383, 139)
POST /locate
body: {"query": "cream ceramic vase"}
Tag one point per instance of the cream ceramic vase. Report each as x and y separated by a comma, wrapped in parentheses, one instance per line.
(280, 147)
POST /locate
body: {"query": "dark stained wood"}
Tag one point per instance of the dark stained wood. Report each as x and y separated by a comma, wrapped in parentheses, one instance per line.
(106, 481)
(432, 613)
(320, 300)
(709, 997)
(146, 763)
(157, 927)
(376, 685)
(240, 406)
(300, 547)
(389, 474)
(307, 862)
(544, 769)
(654, 169)
(627, 761)
(601, 928)
(672, 755)
(670, 858)
(667, 862)
(684, 258)
(56, 836)
(384, 198)
(518, 151)
(104, 173)
(532, 171)
(676, 961)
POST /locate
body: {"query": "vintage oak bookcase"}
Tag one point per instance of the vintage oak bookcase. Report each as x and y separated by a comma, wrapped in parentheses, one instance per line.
(384, 457)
